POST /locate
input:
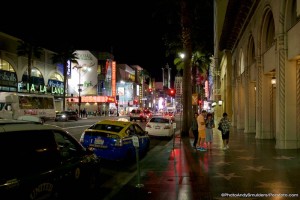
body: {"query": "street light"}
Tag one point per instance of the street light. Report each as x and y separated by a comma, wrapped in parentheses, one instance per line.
(79, 68)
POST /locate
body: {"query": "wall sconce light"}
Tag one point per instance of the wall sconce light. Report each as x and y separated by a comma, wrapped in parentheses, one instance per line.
(213, 104)
(273, 80)
(220, 102)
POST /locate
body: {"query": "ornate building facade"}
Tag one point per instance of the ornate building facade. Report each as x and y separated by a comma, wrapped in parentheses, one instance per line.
(257, 55)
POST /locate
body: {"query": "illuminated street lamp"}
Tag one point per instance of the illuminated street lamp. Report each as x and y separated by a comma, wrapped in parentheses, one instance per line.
(79, 68)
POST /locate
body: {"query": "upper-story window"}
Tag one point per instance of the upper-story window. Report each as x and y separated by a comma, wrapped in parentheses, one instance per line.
(5, 66)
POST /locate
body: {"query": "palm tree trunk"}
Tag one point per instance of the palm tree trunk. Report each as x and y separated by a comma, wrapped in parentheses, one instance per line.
(65, 85)
(187, 90)
(29, 69)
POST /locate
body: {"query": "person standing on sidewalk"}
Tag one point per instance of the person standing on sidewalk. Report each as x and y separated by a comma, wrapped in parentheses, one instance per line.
(225, 125)
(201, 130)
(209, 125)
(194, 128)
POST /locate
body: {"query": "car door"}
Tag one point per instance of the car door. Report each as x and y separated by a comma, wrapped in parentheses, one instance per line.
(29, 168)
(78, 168)
(143, 138)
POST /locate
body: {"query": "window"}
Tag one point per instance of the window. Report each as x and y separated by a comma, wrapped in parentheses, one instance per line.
(67, 148)
(139, 130)
(35, 151)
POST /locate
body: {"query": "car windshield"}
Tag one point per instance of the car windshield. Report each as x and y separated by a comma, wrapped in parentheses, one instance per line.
(107, 127)
(159, 120)
(136, 111)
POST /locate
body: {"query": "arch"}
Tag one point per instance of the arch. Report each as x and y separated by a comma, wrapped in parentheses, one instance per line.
(241, 62)
(251, 51)
(56, 76)
(9, 79)
(267, 30)
(36, 76)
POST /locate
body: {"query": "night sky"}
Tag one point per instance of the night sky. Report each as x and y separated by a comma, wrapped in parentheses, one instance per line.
(124, 28)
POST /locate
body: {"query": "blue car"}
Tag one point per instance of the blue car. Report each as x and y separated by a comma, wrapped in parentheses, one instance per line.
(113, 140)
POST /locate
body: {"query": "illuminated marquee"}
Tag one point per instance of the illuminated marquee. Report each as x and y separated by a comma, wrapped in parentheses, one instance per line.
(94, 99)
(113, 78)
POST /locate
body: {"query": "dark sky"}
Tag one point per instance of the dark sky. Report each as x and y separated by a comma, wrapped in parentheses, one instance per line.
(125, 28)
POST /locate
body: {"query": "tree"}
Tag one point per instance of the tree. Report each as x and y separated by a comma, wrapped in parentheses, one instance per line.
(188, 26)
(186, 79)
(30, 50)
(63, 58)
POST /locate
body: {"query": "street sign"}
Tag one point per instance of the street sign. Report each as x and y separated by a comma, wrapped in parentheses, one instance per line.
(135, 140)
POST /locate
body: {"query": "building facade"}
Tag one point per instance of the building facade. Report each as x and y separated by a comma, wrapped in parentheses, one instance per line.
(257, 64)
(46, 78)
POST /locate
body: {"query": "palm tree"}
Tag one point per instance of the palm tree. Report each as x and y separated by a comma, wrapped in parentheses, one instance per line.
(64, 57)
(31, 51)
(188, 25)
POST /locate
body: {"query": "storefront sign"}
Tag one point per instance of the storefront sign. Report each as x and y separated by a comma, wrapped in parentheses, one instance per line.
(43, 89)
(94, 99)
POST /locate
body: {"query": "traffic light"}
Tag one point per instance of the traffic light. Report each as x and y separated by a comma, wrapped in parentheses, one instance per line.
(172, 92)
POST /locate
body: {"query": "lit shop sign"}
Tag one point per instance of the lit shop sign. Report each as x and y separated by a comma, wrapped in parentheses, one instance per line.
(44, 89)
(113, 78)
(94, 99)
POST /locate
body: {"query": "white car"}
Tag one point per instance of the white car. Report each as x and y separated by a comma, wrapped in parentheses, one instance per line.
(160, 126)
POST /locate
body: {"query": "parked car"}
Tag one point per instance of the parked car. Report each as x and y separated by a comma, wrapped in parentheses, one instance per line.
(44, 162)
(137, 114)
(169, 115)
(112, 140)
(160, 126)
(66, 116)
(148, 114)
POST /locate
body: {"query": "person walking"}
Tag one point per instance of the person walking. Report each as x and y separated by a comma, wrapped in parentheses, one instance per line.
(201, 130)
(225, 125)
(194, 128)
(209, 125)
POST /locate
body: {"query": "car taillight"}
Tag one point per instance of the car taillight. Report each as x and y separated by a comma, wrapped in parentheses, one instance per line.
(148, 125)
(118, 142)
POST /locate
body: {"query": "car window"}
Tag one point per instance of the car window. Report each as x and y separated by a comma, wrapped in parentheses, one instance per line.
(107, 127)
(66, 145)
(26, 152)
(131, 129)
(139, 130)
(159, 120)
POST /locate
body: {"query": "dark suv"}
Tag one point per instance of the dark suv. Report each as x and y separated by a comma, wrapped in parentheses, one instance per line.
(66, 116)
(137, 114)
(44, 162)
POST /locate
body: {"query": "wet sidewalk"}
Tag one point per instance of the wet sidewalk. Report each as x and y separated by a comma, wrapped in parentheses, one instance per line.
(250, 168)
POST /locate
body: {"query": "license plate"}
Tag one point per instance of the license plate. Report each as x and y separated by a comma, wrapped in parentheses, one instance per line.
(98, 141)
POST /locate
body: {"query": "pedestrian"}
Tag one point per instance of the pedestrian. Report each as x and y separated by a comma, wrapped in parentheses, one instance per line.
(209, 125)
(194, 128)
(201, 131)
(225, 126)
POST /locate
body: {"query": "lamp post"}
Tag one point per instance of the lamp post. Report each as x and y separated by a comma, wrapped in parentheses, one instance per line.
(79, 68)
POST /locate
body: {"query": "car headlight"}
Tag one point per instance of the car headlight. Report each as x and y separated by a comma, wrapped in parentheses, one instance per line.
(63, 116)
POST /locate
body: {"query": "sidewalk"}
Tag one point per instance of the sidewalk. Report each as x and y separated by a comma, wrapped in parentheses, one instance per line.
(251, 169)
